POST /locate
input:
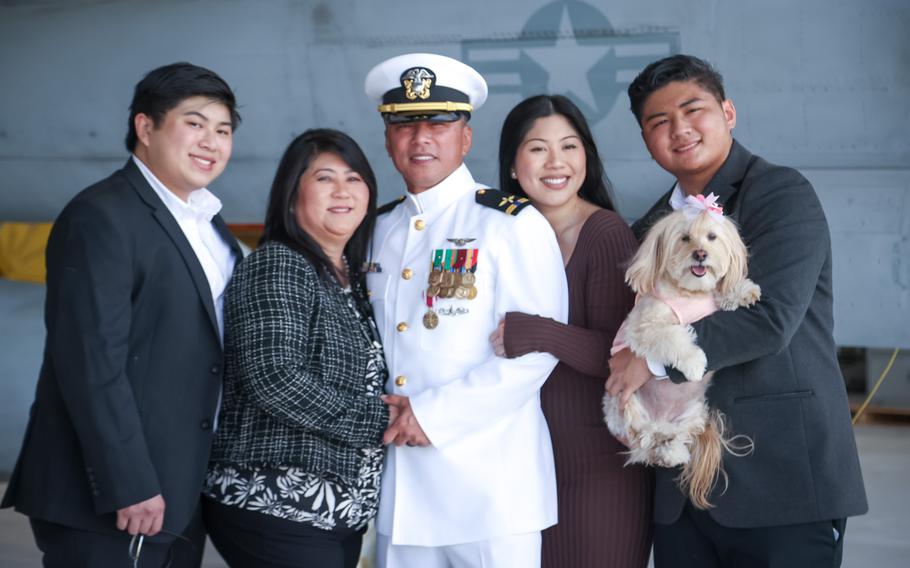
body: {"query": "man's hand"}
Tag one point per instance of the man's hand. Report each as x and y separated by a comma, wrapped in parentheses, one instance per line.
(404, 429)
(627, 374)
(145, 517)
(497, 338)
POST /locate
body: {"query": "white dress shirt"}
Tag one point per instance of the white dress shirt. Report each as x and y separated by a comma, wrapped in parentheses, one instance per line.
(194, 217)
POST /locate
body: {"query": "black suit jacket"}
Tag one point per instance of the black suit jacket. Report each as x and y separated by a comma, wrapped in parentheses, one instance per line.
(132, 365)
(777, 379)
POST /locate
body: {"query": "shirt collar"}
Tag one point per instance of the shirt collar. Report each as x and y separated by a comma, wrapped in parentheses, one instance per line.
(677, 197)
(442, 194)
(201, 204)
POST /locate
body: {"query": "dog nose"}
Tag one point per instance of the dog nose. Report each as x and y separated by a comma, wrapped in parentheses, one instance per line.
(700, 255)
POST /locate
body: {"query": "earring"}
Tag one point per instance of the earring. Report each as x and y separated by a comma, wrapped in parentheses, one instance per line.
(514, 175)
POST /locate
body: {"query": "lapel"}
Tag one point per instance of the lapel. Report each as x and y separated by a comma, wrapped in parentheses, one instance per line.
(227, 236)
(175, 233)
(728, 180)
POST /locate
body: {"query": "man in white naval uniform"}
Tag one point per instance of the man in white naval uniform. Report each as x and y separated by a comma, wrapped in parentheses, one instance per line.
(469, 478)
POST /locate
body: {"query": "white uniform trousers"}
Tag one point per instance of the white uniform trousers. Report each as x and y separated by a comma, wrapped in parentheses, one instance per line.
(510, 551)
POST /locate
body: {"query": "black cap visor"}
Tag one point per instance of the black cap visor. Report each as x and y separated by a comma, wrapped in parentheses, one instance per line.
(405, 117)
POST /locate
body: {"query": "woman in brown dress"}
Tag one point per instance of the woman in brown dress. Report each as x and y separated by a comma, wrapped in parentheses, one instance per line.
(547, 153)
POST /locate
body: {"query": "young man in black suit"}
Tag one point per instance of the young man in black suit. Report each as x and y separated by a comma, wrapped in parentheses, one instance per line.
(777, 377)
(121, 427)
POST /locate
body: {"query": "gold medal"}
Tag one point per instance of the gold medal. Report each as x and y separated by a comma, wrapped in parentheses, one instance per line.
(468, 278)
(435, 276)
(430, 319)
(449, 292)
(448, 279)
(472, 292)
(433, 290)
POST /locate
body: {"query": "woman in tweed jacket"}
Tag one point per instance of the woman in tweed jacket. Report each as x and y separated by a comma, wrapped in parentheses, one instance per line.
(295, 469)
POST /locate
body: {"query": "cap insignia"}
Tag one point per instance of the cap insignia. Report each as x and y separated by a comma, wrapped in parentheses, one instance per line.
(417, 82)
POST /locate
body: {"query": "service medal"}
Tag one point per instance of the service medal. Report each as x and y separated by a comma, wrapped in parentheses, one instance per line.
(468, 278)
(461, 292)
(472, 292)
(430, 319)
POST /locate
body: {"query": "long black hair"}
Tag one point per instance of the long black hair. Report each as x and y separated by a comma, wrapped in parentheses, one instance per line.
(280, 221)
(596, 187)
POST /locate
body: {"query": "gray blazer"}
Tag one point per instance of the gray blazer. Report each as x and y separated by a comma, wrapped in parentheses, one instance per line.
(777, 379)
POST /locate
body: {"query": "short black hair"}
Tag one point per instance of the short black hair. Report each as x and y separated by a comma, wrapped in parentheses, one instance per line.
(595, 188)
(280, 220)
(164, 88)
(674, 68)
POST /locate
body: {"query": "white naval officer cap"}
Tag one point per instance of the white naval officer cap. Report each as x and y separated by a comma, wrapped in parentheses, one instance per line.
(425, 86)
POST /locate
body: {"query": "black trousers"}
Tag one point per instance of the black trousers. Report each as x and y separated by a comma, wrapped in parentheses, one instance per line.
(697, 540)
(250, 539)
(68, 547)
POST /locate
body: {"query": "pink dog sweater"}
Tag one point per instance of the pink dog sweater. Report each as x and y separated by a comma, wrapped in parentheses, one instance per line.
(687, 309)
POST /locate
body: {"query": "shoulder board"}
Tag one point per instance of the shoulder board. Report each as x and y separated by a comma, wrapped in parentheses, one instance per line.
(390, 205)
(502, 201)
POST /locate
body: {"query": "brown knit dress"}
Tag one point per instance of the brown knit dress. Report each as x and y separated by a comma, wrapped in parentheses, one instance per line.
(604, 508)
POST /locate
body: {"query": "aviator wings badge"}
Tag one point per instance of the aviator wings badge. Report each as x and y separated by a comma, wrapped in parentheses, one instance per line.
(460, 242)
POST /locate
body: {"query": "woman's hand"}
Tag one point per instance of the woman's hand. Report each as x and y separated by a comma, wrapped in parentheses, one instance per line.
(497, 338)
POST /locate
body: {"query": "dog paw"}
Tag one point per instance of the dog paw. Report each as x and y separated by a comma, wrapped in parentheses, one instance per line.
(693, 366)
(673, 453)
(743, 296)
(750, 292)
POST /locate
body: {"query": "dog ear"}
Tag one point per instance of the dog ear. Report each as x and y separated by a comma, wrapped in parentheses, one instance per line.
(739, 267)
(648, 263)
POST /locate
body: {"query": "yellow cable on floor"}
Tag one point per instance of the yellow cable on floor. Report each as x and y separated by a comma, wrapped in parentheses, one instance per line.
(878, 383)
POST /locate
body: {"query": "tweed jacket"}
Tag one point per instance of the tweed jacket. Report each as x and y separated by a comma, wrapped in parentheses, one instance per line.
(295, 370)
(777, 378)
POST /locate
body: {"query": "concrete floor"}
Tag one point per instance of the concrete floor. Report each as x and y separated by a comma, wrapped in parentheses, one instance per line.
(878, 539)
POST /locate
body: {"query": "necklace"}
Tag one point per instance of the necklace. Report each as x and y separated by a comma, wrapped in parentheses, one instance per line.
(342, 274)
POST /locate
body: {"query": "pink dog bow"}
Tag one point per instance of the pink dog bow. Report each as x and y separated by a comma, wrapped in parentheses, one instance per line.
(698, 204)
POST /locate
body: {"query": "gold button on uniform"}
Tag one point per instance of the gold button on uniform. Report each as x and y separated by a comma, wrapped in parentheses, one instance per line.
(400, 381)
(402, 326)
(407, 273)
(419, 224)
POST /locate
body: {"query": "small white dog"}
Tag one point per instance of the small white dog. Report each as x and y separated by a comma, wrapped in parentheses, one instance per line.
(691, 263)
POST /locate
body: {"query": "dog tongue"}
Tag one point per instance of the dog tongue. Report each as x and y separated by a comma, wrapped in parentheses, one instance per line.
(699, 270)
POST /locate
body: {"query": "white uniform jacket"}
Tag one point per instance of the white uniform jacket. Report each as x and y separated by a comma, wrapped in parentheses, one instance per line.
(489, 471)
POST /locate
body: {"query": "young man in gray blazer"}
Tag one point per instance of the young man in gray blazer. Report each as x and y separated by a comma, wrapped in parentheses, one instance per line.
(777, 377)
(121, 427)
